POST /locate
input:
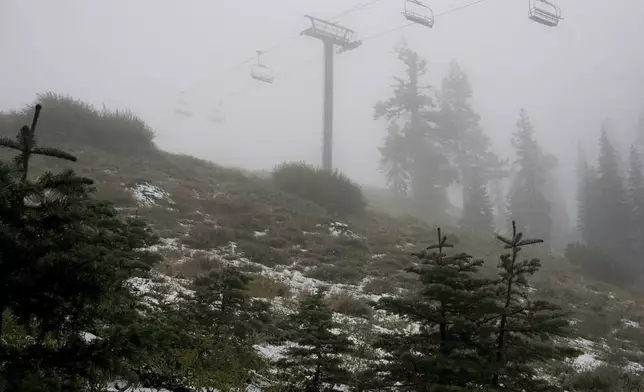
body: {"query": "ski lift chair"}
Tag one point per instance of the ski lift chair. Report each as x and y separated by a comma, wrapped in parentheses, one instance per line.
(544, 12)
(419, 13)
(261, 72)
(183, 109)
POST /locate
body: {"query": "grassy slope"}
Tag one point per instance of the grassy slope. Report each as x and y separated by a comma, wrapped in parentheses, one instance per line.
(290, 242)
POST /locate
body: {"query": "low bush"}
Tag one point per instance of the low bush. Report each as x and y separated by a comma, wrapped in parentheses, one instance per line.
(73, 121)
(333, 191)
(207, 237)
(261, 253)
(265, 287)
(346, 304)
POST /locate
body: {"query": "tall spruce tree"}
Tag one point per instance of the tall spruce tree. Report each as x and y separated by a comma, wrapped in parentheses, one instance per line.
(65, 260)
(636, 207)
(526, 329)
(316, 362)
(612, 208)
(447, 350)
(639, 131)
(470, 146)
(415, 155)
(527, 201)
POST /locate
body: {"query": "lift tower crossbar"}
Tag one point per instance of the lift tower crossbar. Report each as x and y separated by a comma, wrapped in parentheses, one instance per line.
(331, 35)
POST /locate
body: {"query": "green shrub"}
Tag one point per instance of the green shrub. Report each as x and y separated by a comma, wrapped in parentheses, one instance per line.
(346, 304)
(331, 190)
(67, 120)
(207, 237)
(265, 287)
(380, 286)
(598, 264)
(605, 378)
(261, 253)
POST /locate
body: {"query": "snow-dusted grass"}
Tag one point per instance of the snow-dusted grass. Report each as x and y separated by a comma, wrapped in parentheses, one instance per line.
(147, 195)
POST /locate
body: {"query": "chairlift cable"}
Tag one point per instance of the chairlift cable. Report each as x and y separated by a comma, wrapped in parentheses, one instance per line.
(354, 9)
(386, 32)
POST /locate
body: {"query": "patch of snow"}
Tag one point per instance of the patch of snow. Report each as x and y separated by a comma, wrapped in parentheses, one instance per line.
(338, 228)
(378, 256)
(586, 362)
(89, 337)
(260, 233)
(148, 195)
(634, 367)
(631, 324)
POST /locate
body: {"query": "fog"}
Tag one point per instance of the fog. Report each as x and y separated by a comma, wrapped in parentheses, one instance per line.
(141, 53)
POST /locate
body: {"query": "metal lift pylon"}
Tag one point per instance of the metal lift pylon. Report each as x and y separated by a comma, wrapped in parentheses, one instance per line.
(331, 35)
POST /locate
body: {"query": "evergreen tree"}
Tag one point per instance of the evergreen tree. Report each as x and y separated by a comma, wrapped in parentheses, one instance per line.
(612, 209)
(471, 147)
(586, 207)
(477, 212)
(526, 329)
(636, 206)
(639, 131)
(315, 362)
(415, 155)
(559, 217)
(448, 349)
(65, 260)
(207, 338)
(395, 161)
(527, 201)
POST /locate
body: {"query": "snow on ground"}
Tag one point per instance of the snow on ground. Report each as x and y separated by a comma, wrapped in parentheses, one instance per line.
(148, 195)
(588, 360)
(631, 324)
(338, 228)
(167, 288)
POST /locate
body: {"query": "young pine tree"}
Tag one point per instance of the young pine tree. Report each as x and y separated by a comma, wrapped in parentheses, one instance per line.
(315, 363)
(446, 351)
(66, 258)
(209, 335)
(527, 201)
(526, 329)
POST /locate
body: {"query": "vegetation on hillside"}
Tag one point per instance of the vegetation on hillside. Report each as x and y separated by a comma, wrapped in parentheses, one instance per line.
(85, 305)
(331, 190)
(83, 331)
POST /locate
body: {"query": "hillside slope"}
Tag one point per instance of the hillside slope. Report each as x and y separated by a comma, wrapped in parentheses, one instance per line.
(209, 215)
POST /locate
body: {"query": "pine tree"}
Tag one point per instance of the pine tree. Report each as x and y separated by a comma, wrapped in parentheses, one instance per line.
(612, 208)
(527, 201)
(66, 258)
(207, 338)
(477, 212)
(315, 362)
(471, 147)
(526, 329)
(639, 131)
(447, 349)
(395, 161)
(636, 206)
(415, 151)
(586, 208)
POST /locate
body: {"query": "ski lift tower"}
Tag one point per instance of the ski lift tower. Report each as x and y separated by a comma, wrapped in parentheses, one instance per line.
(331, 35)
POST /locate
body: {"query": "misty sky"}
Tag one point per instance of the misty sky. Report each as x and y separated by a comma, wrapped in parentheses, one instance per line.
(140, 53)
